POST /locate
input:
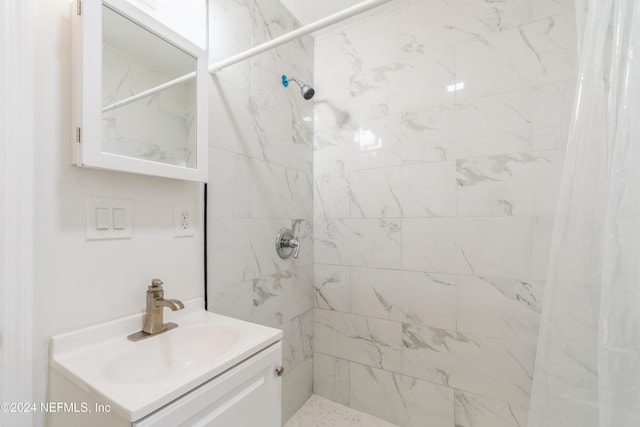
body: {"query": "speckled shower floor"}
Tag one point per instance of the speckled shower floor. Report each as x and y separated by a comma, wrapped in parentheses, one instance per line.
(321, 412)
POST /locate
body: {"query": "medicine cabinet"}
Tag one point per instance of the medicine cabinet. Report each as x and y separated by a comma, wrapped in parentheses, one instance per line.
(140, 93)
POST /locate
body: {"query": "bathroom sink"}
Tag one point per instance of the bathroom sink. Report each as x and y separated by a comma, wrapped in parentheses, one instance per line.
(173, 353)
(136, 378)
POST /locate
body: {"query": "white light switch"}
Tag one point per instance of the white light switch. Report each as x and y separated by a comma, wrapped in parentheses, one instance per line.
(109, 219)
(102, 219)
(119, 219)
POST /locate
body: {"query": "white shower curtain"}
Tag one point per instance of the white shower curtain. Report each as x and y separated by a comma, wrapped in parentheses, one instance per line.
(587, 371)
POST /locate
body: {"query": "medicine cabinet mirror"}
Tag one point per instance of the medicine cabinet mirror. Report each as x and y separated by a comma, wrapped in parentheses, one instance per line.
(140, 101)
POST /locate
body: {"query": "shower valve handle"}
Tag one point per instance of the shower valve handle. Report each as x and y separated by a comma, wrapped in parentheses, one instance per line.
(295, 245)
(287, 244)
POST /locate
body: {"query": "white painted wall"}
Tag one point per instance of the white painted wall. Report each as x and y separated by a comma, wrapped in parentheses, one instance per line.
(186, 17)
(16, 208)
(79, 283)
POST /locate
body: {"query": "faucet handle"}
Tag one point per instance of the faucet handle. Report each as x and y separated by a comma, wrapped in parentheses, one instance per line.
(287, 244)
(156, 285)
(295, 245)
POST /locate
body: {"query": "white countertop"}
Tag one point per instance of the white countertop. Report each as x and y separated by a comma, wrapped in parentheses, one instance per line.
(137, 378)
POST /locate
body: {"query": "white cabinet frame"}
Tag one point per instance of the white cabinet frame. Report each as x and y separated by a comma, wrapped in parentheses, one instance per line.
(87, 83)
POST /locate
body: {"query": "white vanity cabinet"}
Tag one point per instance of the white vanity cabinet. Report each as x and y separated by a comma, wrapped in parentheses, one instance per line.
(211, 370)
(245, 396)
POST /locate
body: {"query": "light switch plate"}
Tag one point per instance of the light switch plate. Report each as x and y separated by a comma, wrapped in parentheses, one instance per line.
(109, 219)
(102, 218)
(119, 218)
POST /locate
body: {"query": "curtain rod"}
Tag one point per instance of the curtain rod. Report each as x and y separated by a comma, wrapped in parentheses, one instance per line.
(271, 44)
(295, 34)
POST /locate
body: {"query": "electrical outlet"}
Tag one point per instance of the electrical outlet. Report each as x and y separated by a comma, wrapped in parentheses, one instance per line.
(183, 220)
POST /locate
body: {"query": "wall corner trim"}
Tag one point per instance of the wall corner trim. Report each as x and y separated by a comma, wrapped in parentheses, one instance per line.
(16, 204)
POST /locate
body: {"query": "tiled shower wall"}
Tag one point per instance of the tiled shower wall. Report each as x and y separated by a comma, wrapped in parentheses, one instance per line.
(438, 149)
(260, 180)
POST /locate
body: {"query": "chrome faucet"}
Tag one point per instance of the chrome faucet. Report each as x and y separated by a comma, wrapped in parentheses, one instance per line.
(154, 317)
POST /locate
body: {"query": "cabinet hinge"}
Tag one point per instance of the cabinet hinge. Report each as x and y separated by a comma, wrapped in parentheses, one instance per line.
(78, 135)
(79, 7)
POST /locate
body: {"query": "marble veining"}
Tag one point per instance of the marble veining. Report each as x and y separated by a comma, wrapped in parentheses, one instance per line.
(411, 44)
(332, 287)
(297, 386)
(437, 368)
(261, 181)
(127, 130)
(298, 340)
(331, 378)
(494, 124)
(282, 296)
(515, 59)
(400, 399)
(470, 175)
(358, 242)
(403, 191)
(472, 410)
(460, 245)
(372, 342)
(406, 296)
(514, 184)
(438, 151)
(331, 189)
(494, 368)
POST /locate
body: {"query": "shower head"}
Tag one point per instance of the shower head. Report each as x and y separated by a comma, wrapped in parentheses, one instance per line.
(306, 90)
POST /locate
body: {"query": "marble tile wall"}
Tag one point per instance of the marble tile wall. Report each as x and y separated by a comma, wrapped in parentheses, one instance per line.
(438, 148)
(260, 180)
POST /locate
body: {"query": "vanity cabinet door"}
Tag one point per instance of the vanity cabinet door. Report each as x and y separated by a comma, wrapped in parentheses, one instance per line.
(248, 395)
